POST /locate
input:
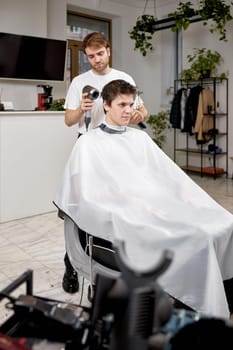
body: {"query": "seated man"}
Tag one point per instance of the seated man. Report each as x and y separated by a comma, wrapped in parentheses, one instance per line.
(118, 184)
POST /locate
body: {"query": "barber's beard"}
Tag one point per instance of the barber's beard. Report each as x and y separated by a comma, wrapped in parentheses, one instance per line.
(100, 68)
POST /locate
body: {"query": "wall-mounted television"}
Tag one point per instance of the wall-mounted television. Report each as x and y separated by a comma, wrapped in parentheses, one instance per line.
(34, 58)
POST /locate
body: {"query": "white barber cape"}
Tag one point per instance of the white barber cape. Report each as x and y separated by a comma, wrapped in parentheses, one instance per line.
(122, 186)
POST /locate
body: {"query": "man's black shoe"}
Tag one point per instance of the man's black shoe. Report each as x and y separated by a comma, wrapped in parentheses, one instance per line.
(70, 282)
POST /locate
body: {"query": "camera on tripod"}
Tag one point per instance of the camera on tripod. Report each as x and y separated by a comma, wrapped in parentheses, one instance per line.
(93, 93)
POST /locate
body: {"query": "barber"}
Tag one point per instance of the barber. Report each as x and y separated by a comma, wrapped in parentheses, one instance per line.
(97, 50)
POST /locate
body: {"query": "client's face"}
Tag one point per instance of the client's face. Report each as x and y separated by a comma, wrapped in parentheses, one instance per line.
(120, 111)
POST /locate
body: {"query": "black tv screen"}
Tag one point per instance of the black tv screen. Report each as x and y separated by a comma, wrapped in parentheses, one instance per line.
(35, 58)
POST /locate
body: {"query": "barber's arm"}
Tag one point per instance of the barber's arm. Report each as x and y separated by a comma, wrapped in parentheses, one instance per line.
(73, 116)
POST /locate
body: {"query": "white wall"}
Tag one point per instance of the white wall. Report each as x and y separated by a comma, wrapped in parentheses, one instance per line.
(24, 17)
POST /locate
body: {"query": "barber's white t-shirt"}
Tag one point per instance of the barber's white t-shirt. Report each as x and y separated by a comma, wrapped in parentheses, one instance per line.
(74, 94)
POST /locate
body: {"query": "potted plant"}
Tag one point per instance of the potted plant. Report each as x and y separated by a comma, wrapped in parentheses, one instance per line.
(218, 12)
(204, 63)
(57, 105)
(142, 33)
(159, 123)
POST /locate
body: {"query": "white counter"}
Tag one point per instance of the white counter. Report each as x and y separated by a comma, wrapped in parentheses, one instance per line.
(34, 147)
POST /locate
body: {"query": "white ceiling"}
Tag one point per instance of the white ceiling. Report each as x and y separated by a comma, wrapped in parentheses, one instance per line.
(142, 3)
(133, 3)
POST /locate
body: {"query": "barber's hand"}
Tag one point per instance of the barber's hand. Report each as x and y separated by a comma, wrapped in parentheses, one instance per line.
(86, 103)
(137, 117)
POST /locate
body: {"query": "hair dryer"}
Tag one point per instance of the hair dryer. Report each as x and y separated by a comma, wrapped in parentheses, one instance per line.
(93, 94)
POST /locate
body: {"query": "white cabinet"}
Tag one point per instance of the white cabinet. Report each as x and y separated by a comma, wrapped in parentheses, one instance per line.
(34, 147)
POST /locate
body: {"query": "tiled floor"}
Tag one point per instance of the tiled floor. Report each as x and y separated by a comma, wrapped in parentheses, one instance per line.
(37, 243)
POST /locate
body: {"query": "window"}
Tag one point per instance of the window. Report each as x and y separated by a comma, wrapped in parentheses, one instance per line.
(78, 26)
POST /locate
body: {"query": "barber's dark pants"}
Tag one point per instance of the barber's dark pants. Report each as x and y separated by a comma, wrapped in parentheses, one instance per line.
(228, 285)
(68, 265)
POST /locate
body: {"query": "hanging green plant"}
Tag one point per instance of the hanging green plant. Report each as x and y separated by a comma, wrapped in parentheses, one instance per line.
(214, 12)
(182, 16)
(159, 124)
(217, 11)
(143, 32)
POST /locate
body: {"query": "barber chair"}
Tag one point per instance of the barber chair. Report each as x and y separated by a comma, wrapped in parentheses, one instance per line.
(88, 255)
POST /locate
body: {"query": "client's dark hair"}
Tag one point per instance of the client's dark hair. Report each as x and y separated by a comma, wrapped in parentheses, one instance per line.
(115, 88)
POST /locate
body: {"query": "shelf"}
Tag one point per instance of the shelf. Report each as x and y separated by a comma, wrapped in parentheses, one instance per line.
(195, 150)
(217, 115)
(220, 114)
(211, 118)
(194, 169)
(199, 170)
(204, 81)
(221, 134)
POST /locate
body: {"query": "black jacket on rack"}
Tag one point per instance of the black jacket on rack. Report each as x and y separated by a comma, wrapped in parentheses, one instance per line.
(191, 106)
(175, 113)
(190, 110)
